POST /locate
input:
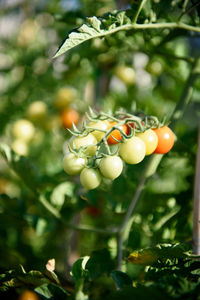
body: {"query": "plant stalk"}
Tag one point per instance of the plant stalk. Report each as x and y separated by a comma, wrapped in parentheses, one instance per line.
(196, 204)
(154, 162)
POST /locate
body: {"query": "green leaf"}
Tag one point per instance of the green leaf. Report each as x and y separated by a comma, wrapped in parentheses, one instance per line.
(99, 263)
(150, 255)
(51, 291)
(95, 27)
(59, 193)
(79, 268)
(121, 279)
(34, 278)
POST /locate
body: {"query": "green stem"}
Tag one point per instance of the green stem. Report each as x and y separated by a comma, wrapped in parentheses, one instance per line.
(150, 169)
(186, 94)
(142, 3)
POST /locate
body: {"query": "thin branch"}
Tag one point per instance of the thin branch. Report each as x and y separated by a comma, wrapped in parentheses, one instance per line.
(142, 3)
(196, 205)
(58, 216)
(135, 26)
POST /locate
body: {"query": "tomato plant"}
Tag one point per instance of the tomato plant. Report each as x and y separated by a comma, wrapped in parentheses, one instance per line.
(131, 65)
(165, 139)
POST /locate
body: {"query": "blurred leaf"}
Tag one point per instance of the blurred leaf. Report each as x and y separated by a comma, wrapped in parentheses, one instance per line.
(121, 279)
(52, 291)
(21, 165)
(141, 292)
(79, 270)
(99, 263)
(59, 193)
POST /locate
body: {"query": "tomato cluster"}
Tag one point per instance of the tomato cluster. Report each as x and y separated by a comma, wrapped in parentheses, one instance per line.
(106, 141)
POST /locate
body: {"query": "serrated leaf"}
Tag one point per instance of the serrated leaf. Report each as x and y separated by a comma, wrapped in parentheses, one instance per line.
(95, 23)
(149, 256)
(94, 28)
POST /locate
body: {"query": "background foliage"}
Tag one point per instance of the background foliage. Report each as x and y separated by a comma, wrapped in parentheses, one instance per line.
(40, 205)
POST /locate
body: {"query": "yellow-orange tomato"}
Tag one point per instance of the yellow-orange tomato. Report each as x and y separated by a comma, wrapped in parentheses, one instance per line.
(116, 133)
(150, 139)
(68, 117)
(28, 295)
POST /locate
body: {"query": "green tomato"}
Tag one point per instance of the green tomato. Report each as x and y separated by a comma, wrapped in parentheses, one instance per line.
(73, 164)
(133, 150)
(150, 139)
(20, 147)
(88, 141)
(90, 178)
(125, 74)
(37, 111)
(103, 125)
(23, 130)
(111, 166)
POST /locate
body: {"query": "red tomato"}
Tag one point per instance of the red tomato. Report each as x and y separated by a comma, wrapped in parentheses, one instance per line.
(165, 139)
(69, 116)
(116, 133)
(133, 125)
(93, 211)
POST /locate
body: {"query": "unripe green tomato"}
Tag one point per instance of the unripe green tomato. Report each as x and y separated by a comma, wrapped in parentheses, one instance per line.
(150, 139)
(23, 130)
(73, 164)
(133, 150)
(154, 67)
(90, 178)
(64, 97)
(103, 125)
(88, 141)
(125, 74)
(20, 147)
(111, 166)
(37, 111)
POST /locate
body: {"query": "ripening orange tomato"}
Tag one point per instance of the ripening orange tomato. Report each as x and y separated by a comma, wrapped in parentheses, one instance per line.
(69, 116)
(165, 139)
(116, 133)
(28, 295)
